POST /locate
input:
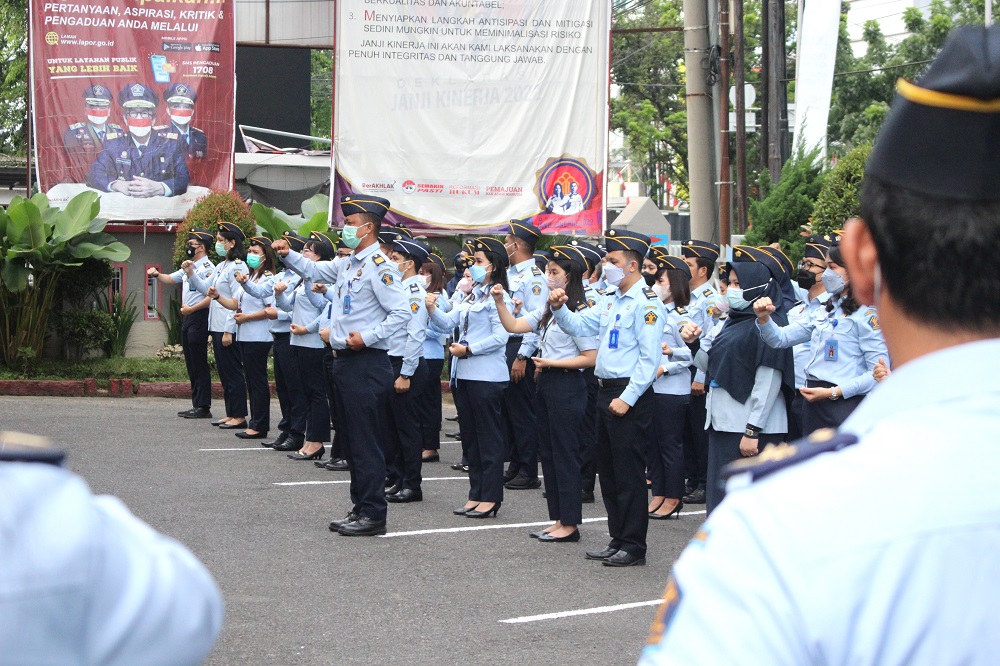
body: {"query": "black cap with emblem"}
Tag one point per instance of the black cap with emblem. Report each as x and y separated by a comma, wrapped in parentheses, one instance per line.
(698, 249)
(623, 239)
(322, 239)
(487, 244)
(295, 241)
(416, 249)
(232, 228)
(658, 255)
(364, 203)
(525, 230)
(201, 235)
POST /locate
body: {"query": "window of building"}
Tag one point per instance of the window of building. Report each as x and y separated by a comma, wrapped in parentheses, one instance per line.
(117, 285)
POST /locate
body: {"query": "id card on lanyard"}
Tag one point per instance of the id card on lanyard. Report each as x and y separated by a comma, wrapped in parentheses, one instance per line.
(613, 335)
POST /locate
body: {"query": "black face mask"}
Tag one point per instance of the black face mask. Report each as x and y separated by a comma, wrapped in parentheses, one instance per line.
(805, 278)
(189, 251)
(650, 279)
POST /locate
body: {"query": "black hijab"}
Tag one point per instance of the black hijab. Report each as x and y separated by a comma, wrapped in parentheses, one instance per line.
(738, 350)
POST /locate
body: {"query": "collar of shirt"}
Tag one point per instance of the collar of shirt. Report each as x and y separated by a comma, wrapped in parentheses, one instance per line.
(929, 381)
(524, 265)
(821, 299)
(359, 257)
(633, 292)
(143, 146)
(410, 280)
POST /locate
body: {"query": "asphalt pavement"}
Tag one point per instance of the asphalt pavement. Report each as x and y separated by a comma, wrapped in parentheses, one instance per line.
(297, 593)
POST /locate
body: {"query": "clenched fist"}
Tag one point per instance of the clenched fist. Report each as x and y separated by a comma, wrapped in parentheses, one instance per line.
(763, 307)
(556, 298)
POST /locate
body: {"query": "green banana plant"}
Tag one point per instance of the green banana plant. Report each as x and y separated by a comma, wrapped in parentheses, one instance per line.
(274, 223)
(38, 242)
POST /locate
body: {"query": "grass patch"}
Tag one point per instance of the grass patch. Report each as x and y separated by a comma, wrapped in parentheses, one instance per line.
(102, 369)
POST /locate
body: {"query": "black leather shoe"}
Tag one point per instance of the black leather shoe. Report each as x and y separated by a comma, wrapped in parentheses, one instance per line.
(455, 435)
(196, 413)
(461, 511)
(624, 559)
(537, 535)
(523, 483)
(393, 489)
(363, 526)
(282, 438)
(233, 426)
(217, 423)
(572, 537)
(484, 514)
(675, 513)
(289, 445)
(315, 455)
(405, 496)
(260, 435)
(588, 497)
(340, 465)
(603, 554)
(453, 419)
(337, 524)
(697, 497)
(434, 457)
(457, 467)
(509, 474)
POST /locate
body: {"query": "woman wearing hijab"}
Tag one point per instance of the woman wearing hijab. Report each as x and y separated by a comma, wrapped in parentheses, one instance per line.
(749, 381)
(845, 347)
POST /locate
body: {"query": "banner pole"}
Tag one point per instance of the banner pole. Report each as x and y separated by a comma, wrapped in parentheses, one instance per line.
(28, 124)
(333, 117)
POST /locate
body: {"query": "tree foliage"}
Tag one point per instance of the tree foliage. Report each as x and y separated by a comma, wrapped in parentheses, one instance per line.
(13, 75)
(839, 200)
(274, 223)
(207, 212)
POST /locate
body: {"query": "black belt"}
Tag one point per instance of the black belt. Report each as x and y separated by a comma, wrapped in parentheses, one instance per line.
(559, 370)
(612, 383)
(818, 383)
(278, 336)
(347, 353)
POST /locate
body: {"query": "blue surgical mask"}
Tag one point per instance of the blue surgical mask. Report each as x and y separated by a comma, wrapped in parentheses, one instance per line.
(220, 249)
(735, 297)
(254, 260)
(478, 274)
(833, 281)
(350, 236)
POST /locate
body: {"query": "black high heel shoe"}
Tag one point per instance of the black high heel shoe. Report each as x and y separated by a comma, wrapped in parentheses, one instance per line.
(676, 512)
(484, 514)
(315, 455)
(461, 511)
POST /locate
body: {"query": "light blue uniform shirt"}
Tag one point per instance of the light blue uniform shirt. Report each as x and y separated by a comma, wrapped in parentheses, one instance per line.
(704, 308)
(554, 343)
(527, 283)
(636, 318)
(408, 340)
(83, 581)
(220, 319)
(796, 568)
(305, 306)
(480, 329)
(802, 352)
(259, 329)
(844, 349)
(266, 289)
(190, 296)
(367, 295)
(676, 378)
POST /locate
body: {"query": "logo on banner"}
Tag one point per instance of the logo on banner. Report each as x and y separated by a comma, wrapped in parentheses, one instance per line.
(372, 188)
(409, 186)
(565, 186)
(51, 38)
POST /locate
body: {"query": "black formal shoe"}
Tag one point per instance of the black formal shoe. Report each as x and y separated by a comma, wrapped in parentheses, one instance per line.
(663, 516)
(289, 445)
(434, 457)
(603, 554)
(393, 489)
(185, 412)
(588, 497)
(260, 435)
(484, 514)
(697, 497)
(455, 435)
(523, 483)
(315, 455)
(509, 474)
(690, 488)
(537, 535)
(572, 537)
(624, 559)
(217, 423)
(197, 413)
(453, 419)
(337, 524)
(340, 465)
(233, 426)
(405, 496)
(282, 438)
(363, 526)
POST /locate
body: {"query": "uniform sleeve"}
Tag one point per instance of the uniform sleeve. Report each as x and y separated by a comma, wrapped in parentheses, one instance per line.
(783, 337)
(317, 271)
(390, 297)
(283, 301)
(261, 290)
(585, 342)
(648, 336)
(766, 387)
(727, 601)
(681, 359)
(198, 283)
(234, 288)
(498, 334)
(446, 320)
(151, 596)
(873, 347)
(532, 318)
(579, 324)
(322, 320)
(177, 276)
(318, 301)
(532, 301)
(416, 331)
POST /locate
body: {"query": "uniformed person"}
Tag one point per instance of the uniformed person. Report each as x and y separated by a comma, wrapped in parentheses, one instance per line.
(672, 388)
(221, 324)
(700, 256)
(180, 99)
(83, 141)
(287, 382)
(629, 323)
(561, 397)
(194, 326)
(432, 277)
(406, 353)
(368, 307)
(917, 583)
(528, 285)
(142, 163)
(479, 376)
(84, 581)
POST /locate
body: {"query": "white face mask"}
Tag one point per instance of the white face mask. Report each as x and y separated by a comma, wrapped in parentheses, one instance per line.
(179, 118)
(613, 275)
(555, 283)
(139, 130)
(662, 292)
(97, 120)
(424, 281)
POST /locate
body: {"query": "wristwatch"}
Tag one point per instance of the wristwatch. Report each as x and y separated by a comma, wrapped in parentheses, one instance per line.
(752, 431)
(833, 393)
(521, 357)
(402, 376)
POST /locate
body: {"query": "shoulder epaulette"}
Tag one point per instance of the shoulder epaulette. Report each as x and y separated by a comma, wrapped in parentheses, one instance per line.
(680, 310)
(160, 127)
(650, 294)
(268, 273)
(776, 457)
(113, 125)
(601, 292)
(707, 292)
(535, 270)
(414, 288)
(378, 259)
(76, 126)
(582, 306)
(110, 135)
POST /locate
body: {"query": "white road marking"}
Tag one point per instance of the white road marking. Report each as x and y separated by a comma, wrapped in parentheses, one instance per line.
(582, 611)
(326, 483)
(242, 448)
(476, 528)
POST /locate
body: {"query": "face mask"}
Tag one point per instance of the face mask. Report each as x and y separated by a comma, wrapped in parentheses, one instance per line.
(400, 266)
(722, 306)
(139, 127)
(511, 248)
(613, 275)
(181, 116)
(805, 278)
(650, 279)
(189, 250)
(220, 249)
(465, 285)
(662, 292)
(350, 236)
(254, 260)
(555, 283)
(736, 300)
(424, 281)
(833, 281)
(98, 116)
(478, 273)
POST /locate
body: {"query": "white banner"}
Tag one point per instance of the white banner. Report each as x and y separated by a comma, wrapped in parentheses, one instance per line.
(468, 113)
(814, 73)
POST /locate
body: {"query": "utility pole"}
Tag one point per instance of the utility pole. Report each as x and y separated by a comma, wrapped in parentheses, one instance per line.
(699, 120)
(777, 99)
(725, 177)
(765, 86)
(739, 76)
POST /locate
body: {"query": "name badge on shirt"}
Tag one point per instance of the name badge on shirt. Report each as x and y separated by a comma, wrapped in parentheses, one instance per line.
(613, 335)
(347, 304)
(832, 350)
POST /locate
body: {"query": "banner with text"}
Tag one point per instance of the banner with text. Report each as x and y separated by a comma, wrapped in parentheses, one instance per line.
(468, 113)
(134, 99)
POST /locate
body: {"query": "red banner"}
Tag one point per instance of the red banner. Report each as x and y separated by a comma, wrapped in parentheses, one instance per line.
(134, 99)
